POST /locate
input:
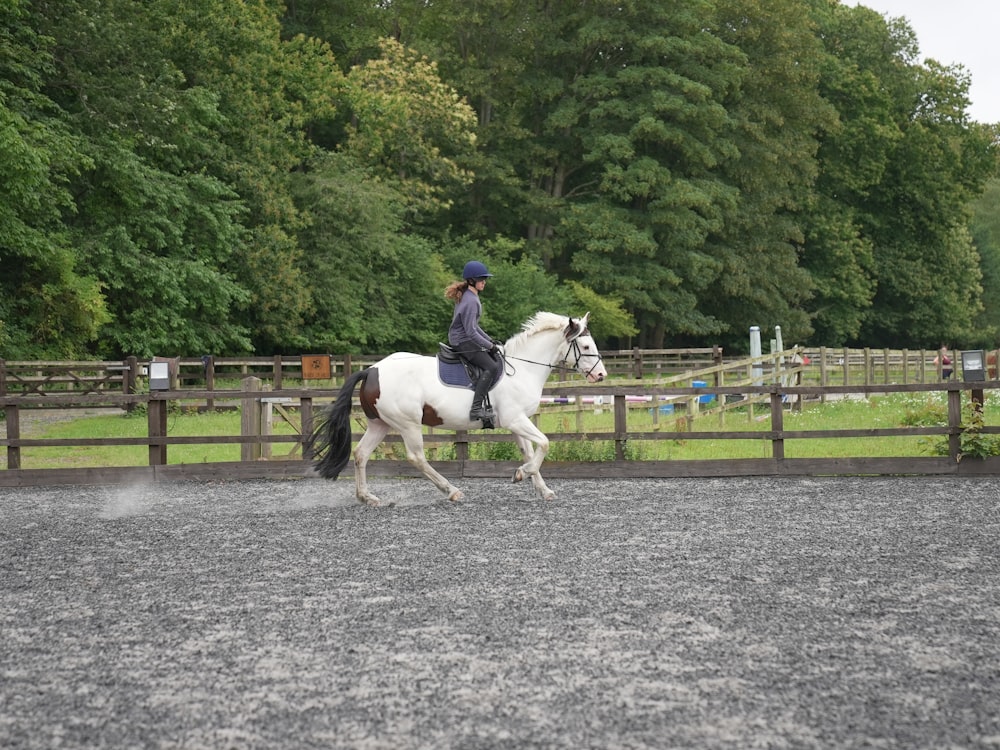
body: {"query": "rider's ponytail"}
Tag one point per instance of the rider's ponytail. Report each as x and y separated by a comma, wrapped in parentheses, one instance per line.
(455, 290)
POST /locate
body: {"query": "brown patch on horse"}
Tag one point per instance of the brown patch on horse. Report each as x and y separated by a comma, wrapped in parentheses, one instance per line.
(369, 394)
(431, 418)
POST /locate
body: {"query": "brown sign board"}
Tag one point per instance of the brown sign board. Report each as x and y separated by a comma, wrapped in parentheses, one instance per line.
(316, 367)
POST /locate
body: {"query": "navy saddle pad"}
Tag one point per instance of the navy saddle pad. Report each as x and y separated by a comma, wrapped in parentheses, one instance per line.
(453, 370)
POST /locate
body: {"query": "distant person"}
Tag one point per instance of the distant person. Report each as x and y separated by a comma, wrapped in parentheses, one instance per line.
(945, 361)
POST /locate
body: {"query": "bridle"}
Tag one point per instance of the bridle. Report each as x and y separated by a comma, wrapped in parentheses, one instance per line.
(574, 350)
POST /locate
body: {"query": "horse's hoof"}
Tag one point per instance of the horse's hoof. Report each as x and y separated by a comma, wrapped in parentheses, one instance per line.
(457, 496)
(518, 476)
(549, 495)
(371, 502)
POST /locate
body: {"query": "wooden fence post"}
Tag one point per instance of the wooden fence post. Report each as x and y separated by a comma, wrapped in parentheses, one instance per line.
(13, 422)
(250, 419)
(777, 424)
(306, 413)
(210, 381)
(461, 450)
(621, 426)
(156, 419)
(265, 407)
(823, 375)
(130, 380)
(131, 376)
(13, 433)
(277, 368)
(719, 378)
(954, 421)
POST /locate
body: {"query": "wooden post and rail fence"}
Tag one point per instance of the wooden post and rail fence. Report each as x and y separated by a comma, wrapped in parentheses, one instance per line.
(830, 366)
(723, 389)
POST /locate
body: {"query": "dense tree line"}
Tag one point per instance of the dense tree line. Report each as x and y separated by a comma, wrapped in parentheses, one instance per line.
(211, 176)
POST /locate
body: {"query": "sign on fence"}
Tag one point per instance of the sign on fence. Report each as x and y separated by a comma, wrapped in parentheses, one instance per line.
(316, 367)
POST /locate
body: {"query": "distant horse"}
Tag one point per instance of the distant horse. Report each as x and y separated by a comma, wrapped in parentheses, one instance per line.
(404, 391)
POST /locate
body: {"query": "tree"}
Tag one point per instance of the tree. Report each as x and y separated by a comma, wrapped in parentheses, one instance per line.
(777, 113)
(985, 229)
(376, 287)
(853, 156)
(410, 126)
(49, 305)
(352, 29)
(898, 172)
(147, 219)
(631, 143)
(270, 92)
(606, 136)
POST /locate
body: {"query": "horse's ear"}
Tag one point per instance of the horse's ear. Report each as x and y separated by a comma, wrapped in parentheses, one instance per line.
(576, 327)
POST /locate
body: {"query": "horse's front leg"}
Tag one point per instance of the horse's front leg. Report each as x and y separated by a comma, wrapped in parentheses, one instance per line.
(375, 434)
(534, 446)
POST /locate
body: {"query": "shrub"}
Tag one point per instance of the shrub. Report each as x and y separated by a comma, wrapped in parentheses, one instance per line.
(929, 413)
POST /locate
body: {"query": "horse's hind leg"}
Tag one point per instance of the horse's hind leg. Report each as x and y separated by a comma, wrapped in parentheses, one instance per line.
(413, 439)
(375, 434)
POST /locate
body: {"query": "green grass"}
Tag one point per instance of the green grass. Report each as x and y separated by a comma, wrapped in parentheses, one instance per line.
(890, 411)
(211, 424)
(876, 412)
(896, 410)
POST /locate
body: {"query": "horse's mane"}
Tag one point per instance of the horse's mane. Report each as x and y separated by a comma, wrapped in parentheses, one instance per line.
(537, 323)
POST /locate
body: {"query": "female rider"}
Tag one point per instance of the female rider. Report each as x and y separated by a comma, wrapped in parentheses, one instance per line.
(469, 340)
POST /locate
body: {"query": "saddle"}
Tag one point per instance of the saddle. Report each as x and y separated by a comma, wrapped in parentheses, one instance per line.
(456, 371)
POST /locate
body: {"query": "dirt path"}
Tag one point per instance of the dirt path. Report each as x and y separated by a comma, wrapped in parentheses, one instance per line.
(689, 613)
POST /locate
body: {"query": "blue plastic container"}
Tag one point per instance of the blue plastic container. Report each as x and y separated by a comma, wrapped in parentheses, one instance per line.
(708, 397)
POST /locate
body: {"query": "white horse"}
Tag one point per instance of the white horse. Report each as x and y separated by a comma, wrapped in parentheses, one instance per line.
(404, 391)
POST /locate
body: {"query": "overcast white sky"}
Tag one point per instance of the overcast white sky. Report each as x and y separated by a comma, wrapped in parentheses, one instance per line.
(956, 31)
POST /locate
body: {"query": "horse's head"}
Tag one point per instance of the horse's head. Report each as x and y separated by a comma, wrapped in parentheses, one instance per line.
(583, 354)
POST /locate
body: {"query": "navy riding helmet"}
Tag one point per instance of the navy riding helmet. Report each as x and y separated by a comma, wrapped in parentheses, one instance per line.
(475, 270)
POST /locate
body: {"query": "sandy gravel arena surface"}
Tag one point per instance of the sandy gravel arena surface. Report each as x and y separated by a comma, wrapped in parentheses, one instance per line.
(694, 613)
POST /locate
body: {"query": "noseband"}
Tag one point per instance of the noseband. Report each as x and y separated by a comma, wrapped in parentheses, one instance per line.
(574, 349)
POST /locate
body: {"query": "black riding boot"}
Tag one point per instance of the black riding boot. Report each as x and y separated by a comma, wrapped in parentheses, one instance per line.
(479, 411)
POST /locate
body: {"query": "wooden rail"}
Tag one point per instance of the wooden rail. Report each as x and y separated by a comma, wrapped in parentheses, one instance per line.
(44, 377)
(773, 396)
(828, 366)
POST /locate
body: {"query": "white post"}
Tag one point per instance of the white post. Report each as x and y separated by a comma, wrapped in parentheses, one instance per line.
(780, 364)
(755, 351)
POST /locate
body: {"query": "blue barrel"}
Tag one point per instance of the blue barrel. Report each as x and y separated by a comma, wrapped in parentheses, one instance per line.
(708, 397)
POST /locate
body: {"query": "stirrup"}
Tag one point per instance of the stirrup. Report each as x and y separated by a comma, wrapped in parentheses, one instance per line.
(484, 414)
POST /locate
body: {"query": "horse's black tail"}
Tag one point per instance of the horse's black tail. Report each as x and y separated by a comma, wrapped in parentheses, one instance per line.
(330, 441)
